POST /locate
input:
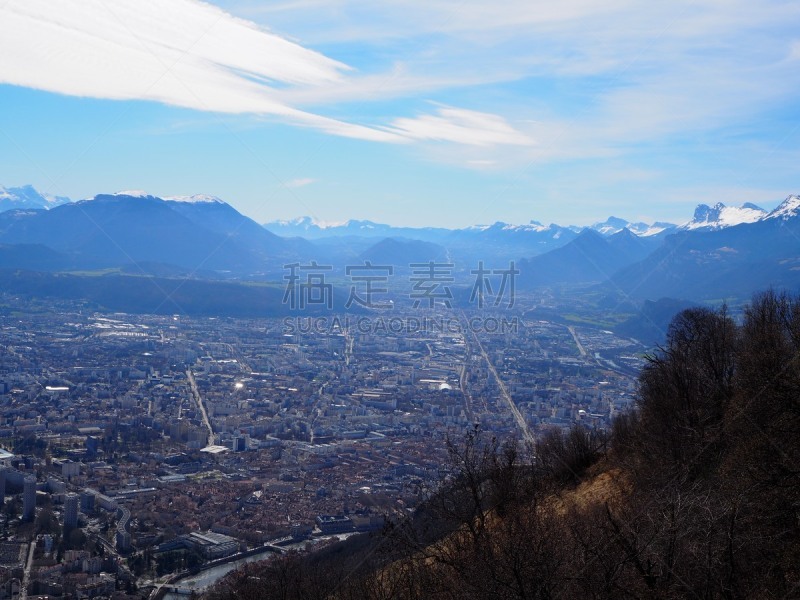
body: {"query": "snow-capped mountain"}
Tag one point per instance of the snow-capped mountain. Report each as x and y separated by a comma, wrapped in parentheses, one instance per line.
(193, 199)
(720, 216)
(533, 226)
(130, 194)
(610, 226)
(124, 228)
(196, 199)
(614, 225)
(313, 229)
(27, 197)
(787, 209)
(645, 230)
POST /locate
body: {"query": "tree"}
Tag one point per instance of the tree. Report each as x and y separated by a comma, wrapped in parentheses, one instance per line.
(47, 522)
(685, 389)
(763, 466)
(566, 456)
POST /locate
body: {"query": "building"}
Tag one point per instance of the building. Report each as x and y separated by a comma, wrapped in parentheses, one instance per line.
(123, 540)
(70, 469)
(87, 501)
(2, 485)
(71, 503)
(329, 524)
(29, 498)
(102, 500)
(211, 545)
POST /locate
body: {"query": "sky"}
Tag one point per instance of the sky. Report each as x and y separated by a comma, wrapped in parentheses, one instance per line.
(411, 112)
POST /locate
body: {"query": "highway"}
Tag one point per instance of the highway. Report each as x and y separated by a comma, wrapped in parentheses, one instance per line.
(199, 400)
(581, 349)
(523, 426)
(462, 382)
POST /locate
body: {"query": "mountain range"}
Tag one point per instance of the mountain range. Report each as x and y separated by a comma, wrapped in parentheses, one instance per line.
(721, 263)
(723, 252)
(27, 197)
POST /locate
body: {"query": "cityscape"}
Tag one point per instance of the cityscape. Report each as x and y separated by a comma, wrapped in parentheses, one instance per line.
(141, 446)
(410, 300)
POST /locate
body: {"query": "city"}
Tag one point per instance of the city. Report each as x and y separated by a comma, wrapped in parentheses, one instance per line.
(141, 446)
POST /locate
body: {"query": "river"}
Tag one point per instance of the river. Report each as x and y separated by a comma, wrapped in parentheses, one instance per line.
(205, 579)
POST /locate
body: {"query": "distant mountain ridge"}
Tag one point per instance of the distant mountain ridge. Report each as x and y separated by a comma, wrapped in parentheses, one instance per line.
(720, 216)
(114, 230)
(722, 252)
(590, 257)
(311, 229)
(401, 252)
(26, 197)
(705, 217)
(715, 263)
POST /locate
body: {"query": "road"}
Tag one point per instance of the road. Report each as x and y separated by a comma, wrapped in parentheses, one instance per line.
(26, 578)
(581, 349)
(523, 426)
(462, 381)
(234, 351)
(201, 406)
(348, 346)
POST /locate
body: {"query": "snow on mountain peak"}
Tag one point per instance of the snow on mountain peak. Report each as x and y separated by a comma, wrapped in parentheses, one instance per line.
(720, 216)
(132, 193)
(196, 199)
(534, 226)
(610, 226)
(54, 200)
(653, 229)
(787, 209)
(310, 224)
(614, 225)
(28, 197)
(296, 222)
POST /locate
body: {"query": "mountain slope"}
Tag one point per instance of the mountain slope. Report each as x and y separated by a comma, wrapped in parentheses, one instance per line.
(36, 257)
(730, 262)
(401, 252)
(588, 258)
(216, 215)
(502, 242)
(114, 230)
(632, 247)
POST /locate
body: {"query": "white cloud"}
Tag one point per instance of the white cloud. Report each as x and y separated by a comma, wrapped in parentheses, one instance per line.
(298, 183)
(462, 127)
(600, 78)
(179, 52)
(191, 54)
(658, 70)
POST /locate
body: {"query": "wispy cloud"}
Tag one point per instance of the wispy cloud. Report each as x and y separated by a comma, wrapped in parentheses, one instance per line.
(462, 127)
(608, 75)
(179, 52)
(298, 183)
(600, 79)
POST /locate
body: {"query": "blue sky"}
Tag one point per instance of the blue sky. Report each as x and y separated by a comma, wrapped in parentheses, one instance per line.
(435, 112)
